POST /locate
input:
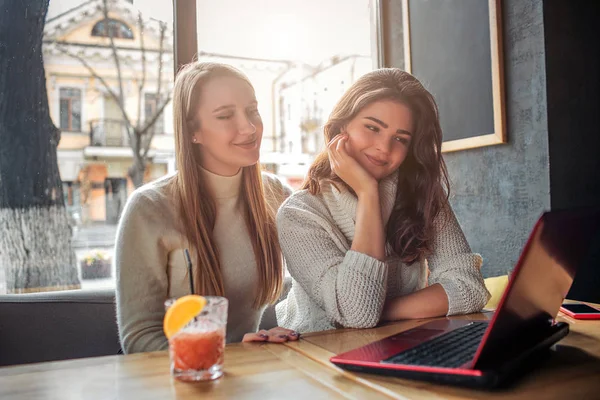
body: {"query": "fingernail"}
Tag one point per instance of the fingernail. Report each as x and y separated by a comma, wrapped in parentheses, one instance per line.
(283, 336)
(294, 334)
(262, 335)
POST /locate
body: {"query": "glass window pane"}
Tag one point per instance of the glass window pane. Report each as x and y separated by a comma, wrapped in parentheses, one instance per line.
(76, 111)
(76, 103)
(300, 57)
(70, 109)
(64, 114)
(75, 121)
(99, 29)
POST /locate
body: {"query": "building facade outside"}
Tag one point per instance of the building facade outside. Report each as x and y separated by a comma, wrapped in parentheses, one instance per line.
(305, 99)
(94, 153)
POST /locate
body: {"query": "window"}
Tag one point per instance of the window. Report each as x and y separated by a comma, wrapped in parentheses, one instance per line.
(112, 27)
(71, 193)
(83, 188)
(293, 70)
(286, 59)
(70, 109)
(151, 105)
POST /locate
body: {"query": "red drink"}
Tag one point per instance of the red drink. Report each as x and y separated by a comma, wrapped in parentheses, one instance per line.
(198, 350)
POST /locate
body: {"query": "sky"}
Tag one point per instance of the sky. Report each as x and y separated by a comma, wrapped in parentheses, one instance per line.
(299, 30)
(306, 30)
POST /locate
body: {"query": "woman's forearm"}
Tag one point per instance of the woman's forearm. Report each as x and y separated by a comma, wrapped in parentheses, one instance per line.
(425, 303)
(369, 235)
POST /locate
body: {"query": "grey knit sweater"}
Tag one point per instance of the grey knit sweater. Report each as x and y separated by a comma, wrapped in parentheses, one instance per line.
(334, 286)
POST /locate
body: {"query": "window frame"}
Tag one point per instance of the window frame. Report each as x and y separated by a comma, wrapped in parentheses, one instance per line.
(57, 113)
(184, 26)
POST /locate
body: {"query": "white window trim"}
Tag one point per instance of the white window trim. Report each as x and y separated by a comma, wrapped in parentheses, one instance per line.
(56, 113)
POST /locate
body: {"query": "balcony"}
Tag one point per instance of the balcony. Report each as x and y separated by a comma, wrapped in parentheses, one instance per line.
(109, 140)
(111, 133)
(108, 133)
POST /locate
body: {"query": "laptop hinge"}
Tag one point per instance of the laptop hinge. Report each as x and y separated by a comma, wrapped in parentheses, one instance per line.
(513, 356)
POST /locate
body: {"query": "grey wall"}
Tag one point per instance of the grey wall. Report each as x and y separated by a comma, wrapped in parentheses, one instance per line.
(498, 192)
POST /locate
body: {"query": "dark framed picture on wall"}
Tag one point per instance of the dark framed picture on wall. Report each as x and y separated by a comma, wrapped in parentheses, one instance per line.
(455, 48)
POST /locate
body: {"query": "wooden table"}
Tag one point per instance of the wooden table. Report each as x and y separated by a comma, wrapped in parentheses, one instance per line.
(252, 371)
(297, 370)
(571, 372)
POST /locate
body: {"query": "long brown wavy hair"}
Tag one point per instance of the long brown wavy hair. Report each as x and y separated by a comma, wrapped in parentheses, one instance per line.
(198, 209)
(423, 186)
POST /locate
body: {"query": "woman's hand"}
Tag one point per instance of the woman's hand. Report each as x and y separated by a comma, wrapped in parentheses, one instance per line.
(369, 237)
(347, 168)
(275, 335)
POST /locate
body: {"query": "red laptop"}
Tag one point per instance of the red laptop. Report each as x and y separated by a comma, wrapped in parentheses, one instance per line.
(487, 354)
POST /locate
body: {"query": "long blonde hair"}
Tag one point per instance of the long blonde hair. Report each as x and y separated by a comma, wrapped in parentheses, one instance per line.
(423, 186)
(198, 210)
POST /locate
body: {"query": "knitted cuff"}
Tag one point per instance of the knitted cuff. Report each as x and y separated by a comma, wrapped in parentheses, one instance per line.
(366, 265)
(456, 300)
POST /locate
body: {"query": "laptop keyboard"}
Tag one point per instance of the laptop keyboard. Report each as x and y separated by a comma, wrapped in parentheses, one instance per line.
(450, 350)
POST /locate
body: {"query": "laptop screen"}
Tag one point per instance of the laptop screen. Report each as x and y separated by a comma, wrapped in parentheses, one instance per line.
(560, 242)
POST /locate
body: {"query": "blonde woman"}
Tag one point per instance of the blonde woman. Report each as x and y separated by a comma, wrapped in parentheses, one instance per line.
(218, 205)
(372, 236)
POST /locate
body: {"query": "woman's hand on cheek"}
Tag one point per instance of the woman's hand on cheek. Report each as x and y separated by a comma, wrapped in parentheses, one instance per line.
(275, 335)
(347, 168)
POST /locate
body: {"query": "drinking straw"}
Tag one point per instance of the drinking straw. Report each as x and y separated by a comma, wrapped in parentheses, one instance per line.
(190, 273)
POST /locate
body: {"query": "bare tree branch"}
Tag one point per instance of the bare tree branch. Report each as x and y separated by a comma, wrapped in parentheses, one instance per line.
(141, 130)
(155, 116)
(114, 53)
(151, 122)
(97, 76)
(143, 82)
(158, 112)
(121, 102)
(161, 51)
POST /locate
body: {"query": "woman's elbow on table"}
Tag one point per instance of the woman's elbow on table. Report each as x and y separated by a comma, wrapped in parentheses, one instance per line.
(359, 319)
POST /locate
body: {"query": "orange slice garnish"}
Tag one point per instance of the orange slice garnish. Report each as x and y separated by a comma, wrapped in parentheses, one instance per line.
(181, 313)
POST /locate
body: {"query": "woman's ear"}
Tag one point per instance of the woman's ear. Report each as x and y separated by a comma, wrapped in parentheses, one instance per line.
(194, 130)
(197, 138)
(343, 129)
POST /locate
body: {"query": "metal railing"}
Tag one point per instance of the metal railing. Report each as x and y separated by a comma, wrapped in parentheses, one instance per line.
(113, 133)
(108, 132)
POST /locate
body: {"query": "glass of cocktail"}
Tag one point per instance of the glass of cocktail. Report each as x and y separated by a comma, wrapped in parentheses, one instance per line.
(195, 327)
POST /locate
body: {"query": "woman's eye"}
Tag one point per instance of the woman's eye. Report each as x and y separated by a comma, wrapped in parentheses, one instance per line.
(401, 139)
(254, 112)
(225, 117)
(372, 128)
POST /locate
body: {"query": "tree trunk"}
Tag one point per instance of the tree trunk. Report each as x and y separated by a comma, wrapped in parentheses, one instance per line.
(138, 168)
(35, 236)
(136, 172)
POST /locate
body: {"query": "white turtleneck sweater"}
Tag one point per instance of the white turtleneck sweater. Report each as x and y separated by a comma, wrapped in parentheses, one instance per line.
(336, 287)
(151, 265)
